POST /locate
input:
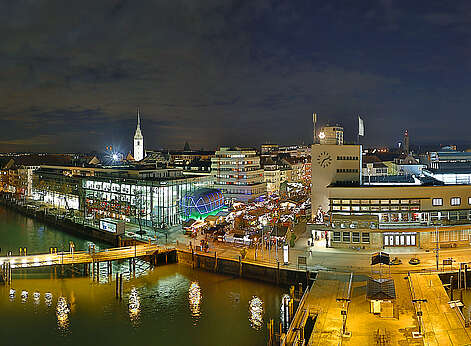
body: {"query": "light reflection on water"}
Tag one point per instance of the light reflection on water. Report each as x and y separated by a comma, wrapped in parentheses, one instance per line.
(134, 306)
(256, 313)
(62, 312)
(194, 298)
(165, 308)
(166, 302)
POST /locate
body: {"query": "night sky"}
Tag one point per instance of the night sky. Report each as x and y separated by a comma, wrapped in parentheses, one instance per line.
(230, 72)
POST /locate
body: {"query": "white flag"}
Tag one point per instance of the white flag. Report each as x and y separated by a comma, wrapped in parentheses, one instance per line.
(361, 127)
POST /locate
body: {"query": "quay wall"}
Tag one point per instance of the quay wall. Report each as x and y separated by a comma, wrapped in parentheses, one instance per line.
(240, 268)
(63, 224)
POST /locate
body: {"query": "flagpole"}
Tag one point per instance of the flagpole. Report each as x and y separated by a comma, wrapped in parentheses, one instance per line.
(358, 133)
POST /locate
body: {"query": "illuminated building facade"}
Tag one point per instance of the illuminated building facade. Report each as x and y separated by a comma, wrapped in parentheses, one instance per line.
(331, 135)
(237, 173)
(152, 195)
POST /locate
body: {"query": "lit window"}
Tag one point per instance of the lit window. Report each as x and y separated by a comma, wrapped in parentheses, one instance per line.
(336, 236)
(455, 201)
(365, 237)
(355, 237)
(437, 201)
(346, 237)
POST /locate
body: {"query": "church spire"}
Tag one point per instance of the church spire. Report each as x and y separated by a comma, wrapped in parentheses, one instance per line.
(138, 118)
(138, 139)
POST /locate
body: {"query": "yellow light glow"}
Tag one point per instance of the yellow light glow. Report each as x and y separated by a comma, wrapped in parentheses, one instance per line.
(194, 298)
(256, 313)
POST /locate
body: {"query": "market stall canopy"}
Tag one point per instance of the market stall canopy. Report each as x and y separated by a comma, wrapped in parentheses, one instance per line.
(188, 223)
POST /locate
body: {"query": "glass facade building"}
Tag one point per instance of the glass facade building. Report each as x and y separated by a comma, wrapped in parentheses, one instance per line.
(156, 202)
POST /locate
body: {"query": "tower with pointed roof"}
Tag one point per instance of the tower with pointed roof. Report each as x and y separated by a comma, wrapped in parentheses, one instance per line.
(138, 140)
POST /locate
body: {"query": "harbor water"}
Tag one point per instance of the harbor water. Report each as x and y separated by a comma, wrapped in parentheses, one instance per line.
(169, 304)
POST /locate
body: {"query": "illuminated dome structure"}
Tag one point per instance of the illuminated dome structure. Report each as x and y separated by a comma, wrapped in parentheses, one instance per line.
(201, 203)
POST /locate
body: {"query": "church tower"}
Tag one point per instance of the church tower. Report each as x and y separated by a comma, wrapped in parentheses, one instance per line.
(138, 141)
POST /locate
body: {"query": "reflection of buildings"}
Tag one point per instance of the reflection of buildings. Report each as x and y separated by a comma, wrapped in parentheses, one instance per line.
(119, 192)
(237, 173)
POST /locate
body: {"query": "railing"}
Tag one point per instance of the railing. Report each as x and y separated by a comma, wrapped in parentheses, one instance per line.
(290, 338)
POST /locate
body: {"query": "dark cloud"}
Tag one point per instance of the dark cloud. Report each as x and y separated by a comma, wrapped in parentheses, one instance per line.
(229, 72)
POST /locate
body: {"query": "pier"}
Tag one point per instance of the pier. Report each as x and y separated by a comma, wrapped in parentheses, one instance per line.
(85, 257)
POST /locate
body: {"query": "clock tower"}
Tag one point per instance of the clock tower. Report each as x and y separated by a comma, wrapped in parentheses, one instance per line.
(138, 140)
(333, 165)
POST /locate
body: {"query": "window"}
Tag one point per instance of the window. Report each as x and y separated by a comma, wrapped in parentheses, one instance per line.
(437, 201)
(365, 237)
(355, 237)
(455, 201)
(336, 236)
(464, 235)
(346, 237)
(469, 200)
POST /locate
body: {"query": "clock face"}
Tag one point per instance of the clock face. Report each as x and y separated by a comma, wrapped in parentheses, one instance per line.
(324, 159)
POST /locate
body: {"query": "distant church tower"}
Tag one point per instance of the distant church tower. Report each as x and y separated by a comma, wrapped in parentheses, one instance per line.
(406, 142)
(138, 141)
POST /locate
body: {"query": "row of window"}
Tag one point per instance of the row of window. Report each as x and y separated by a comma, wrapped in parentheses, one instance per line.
(347, 170)
(351, 237)
(374, 208)
(444, 236)
(375, 201)
(436, 202)
(347, 158)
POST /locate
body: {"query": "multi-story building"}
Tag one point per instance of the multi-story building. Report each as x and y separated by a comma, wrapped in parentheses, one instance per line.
(331, 135)
(272, 176)
(237, 173)
(387, 211)
(269, 149)
(151, 195)
(333, 164)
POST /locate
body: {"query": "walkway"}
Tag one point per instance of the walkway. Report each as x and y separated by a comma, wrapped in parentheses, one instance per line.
(442, 324)
(83, 256)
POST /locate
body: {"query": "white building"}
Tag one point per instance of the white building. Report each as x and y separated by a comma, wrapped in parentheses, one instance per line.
(237, 173)
(138, 141)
